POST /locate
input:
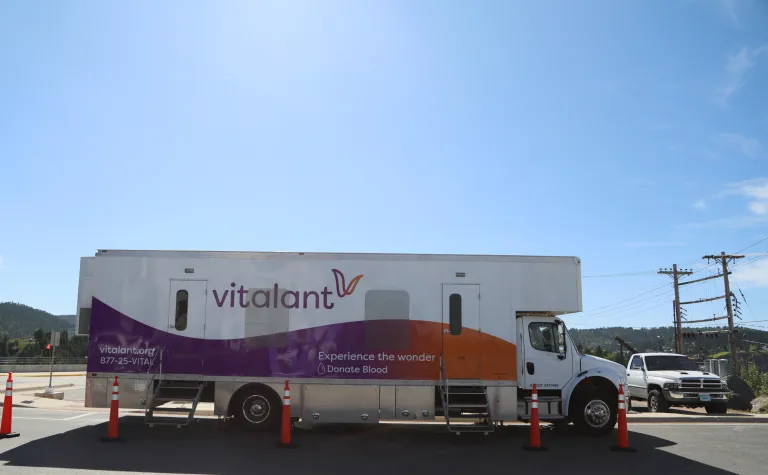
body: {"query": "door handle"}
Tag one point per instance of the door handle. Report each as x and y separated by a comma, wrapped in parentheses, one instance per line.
(529, 367)
(446, 331)
(629, 374)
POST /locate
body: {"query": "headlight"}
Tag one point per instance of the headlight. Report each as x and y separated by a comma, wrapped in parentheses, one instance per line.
(671, 385)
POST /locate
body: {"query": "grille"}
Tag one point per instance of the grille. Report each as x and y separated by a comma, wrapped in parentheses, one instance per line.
(698, 383)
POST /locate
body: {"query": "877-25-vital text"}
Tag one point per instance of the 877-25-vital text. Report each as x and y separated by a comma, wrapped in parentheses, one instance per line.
(125, 360)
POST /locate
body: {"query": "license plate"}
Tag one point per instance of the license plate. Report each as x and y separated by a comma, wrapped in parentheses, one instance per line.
(705, 397)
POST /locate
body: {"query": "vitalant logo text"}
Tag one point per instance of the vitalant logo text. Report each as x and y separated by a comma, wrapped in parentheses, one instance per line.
(274, 298)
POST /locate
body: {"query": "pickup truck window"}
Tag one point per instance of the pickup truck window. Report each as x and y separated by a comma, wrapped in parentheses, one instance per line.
(636, 363)
(670, 363)
(544, 337)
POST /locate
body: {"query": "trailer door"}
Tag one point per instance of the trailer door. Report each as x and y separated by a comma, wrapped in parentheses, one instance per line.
(461, 331)
(186, 318)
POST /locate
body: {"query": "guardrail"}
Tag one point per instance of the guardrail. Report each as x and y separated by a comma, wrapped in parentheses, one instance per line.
(40, 360)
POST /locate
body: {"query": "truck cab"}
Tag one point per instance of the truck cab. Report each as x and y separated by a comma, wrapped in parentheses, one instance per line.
(571, 387)
(665, 380)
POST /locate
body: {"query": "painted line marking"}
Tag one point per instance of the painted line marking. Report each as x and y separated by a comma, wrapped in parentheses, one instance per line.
(50, 419)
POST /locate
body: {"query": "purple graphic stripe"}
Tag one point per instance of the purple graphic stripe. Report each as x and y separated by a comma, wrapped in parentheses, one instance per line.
(120, 344)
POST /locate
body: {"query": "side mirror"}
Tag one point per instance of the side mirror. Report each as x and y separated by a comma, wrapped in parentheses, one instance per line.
(561, 352)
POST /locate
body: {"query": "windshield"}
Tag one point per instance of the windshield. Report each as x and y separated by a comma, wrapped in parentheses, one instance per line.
(664, 363)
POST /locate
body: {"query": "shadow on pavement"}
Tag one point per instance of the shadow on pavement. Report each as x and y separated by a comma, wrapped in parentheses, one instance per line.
(210, 447)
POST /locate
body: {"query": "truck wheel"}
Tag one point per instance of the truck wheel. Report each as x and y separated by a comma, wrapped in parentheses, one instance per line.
(258, 409)
(717, 408)
(656, 402)
(594, 413)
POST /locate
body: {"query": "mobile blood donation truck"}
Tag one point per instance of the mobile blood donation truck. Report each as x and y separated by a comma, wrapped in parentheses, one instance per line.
(360, 337)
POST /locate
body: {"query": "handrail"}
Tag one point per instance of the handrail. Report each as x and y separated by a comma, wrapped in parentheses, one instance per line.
(157, 371)
(444, 388)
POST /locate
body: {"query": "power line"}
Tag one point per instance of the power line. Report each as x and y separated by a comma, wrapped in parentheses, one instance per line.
(660, 287)
(752, 245)
(626, 274)
(627, 306)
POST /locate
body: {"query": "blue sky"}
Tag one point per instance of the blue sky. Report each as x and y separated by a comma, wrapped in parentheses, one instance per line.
(631, 134)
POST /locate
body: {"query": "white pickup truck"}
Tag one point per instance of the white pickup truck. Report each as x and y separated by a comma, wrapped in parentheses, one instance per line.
(668, 379)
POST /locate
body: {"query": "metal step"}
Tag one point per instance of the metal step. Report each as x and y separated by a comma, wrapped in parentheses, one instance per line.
(159, 398)
(465, 406)
(185, 410)
(458, 429)
(183, 388)
(172, 398)
(168, 421)
(474, 398)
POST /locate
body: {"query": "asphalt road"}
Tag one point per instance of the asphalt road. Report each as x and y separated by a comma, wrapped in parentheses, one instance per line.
(68, 442)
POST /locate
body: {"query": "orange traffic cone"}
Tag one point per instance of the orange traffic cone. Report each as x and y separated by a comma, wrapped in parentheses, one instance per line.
(5, 425)
(285, 431)
(623, 445)
(535, 439)
(112, 431)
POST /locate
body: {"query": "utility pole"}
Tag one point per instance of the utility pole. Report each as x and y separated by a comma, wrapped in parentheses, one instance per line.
(678, 318)
(723, 258)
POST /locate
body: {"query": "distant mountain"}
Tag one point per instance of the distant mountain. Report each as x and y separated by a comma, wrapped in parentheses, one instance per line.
(71, 319)
(663, 339)
(20, 320)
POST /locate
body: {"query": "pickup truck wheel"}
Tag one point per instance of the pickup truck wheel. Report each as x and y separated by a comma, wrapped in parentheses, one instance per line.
(656, 402)
(716, 408)
(594, 413)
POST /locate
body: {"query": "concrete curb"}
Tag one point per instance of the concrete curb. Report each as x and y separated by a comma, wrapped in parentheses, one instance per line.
(698, 419)
(37, 388)
(41, 375)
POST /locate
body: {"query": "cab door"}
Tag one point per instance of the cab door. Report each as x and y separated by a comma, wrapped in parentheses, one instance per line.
(638, 386)
(546, 359)
(461, 331)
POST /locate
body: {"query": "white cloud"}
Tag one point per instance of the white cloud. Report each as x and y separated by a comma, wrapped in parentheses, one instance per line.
(758, 207)
(753, 275)
(737, 68)
(640, 244)
(755, 193)
(756, 190)
(730, 9)
(749, 147)
(700, 205)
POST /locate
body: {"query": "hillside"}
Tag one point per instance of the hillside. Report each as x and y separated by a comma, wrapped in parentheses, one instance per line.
(18, 320)
(661, 339)
(70, 319)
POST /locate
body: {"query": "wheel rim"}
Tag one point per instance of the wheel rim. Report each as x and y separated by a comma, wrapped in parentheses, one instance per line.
(653, 403)
(256, 409)
(597, 413)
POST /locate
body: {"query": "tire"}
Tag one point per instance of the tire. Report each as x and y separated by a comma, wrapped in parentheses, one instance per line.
(595, 413)
(717, 408)
(258, 409)
(656, 402)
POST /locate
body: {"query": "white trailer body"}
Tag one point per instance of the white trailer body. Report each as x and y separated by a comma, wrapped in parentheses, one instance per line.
(360, 337)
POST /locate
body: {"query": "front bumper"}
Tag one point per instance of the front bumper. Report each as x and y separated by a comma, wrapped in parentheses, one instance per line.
(679, 396)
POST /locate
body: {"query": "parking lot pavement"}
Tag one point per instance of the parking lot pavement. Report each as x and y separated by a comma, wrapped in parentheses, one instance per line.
(68, 442)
